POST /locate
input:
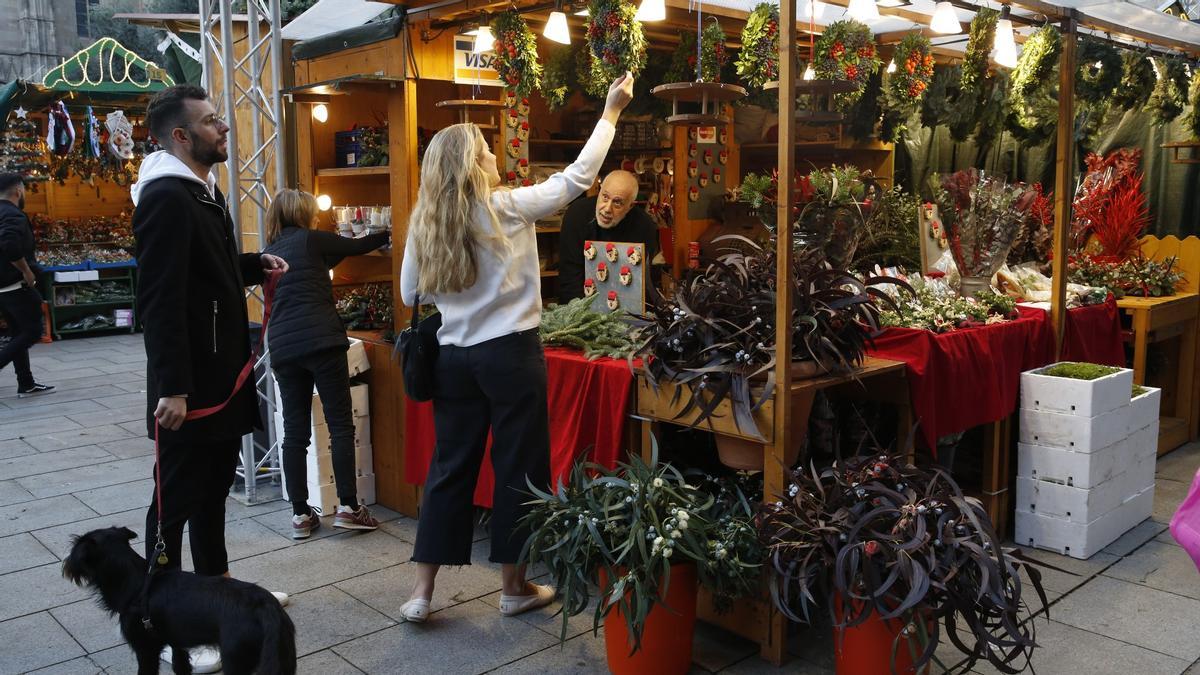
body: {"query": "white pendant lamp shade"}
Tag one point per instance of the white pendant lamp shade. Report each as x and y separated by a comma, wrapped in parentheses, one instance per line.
(556, 28)
(891, 66)
(863, 10)
(945, 21)
(811, 9)
(809, 73)
(320, 112)
(1005, 46)
(484, 40)
(651, 10)
(324, 202)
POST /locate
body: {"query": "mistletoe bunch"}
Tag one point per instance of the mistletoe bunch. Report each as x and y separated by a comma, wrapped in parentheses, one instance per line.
(846, 51)
(1168, 98)
(1137, 81)
(558, 76)
(965, 114)
(615, 43)
(758, 62)
(904, 89)
(516, 53)
(713, 55)
(1031, 96)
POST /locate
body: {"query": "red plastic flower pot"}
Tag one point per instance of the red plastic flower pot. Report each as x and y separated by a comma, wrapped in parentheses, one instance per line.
(667, 635)
(866, 649)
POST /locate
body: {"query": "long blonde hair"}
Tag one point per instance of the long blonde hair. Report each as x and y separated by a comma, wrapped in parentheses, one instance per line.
(441, 226)
(290, 208)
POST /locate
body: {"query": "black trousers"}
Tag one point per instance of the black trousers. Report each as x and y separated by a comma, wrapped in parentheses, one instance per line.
(498, 385)
(327, 369)
(196, 478)
(22, 310)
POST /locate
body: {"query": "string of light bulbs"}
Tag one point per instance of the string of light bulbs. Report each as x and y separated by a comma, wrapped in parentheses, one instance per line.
(107, 51)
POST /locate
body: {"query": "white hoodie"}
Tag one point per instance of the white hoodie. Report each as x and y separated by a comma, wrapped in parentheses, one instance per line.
(162, 164)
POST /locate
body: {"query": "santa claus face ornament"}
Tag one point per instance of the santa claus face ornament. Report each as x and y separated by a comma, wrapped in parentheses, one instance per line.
(692, 150)
(693, 194)
(513, 119)
(514, 148)
(589, 288)
(693, 169)
(716, 175)
(523, 131)
(510, 98)
(589, 250)
(610, 252)
(602, 272)
(703, 179)
(633, 255)
(523, 106)
(723, 136)
(626, 276)
(723, 156)
(523, 167)
(614, 302)
(708, 157)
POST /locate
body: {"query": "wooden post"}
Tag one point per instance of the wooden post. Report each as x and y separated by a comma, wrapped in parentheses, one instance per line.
(1064, 177)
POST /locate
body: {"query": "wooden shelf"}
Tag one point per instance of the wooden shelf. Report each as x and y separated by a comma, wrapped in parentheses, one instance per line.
(339, 280)
(469, 104)
(699, 92)
(817, 86)
(546, 230)
(355, 171)
(549, 273)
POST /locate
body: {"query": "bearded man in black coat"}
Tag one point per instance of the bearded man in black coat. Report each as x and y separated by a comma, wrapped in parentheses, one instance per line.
(191, 297)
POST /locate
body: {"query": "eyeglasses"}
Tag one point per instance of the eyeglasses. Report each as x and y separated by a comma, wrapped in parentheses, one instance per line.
(213, 120)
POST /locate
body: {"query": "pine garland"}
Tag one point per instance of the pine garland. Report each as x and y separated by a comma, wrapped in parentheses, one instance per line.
(516, 53)
(577, 325)
(965, 114)
(846, 51)
(615, 43)
(758, 62)
(1193, 118)
(1032, 97)
(1039, 57)
(1137, 81)
(905, 89)
(1167, 99)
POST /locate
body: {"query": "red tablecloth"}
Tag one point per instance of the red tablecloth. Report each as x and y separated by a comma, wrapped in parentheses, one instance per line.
(972, 376)
(588, 403)
(1093, 335)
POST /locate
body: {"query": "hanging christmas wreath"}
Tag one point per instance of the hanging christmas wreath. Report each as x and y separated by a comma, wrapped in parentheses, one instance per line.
(939, 99)
(1168, 98)
(713, 55)
(1193, 118)
(758, 62)
(516, 53)
(615, 43)
(905, 88)
(1137, 81)
(558, 77)
(1099, 71)
(846, 51)
(1031, 96)
(965, 113)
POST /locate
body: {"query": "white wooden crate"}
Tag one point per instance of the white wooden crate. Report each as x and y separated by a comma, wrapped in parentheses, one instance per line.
(1081, 434)
(1084, 398)
(1144, 441)
(318, 434)
(1080, 540)
(1143, 410)
(1078, 505)
(1077, 469)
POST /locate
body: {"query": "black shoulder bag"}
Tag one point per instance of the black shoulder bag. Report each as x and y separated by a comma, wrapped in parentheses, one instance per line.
(417, 347)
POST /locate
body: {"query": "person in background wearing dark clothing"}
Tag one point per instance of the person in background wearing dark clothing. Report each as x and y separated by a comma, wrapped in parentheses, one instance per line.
(190, 293)
(19, 301)
(308, 346)
(609, 216)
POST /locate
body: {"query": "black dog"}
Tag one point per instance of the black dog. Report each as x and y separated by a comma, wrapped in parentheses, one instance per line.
(246, 622)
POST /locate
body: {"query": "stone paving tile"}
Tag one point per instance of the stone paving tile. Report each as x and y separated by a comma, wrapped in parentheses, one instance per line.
(35, 641)
(89, 625)
(1159, 621)
(115, 368)
(326, 616)
(1130, 541)
(42, 425)
(280, 522)
(73, 438)
(11, 493)
(1180, 464)
(131, 387)
(1162, 566)
(88, 477)
(134, 446)
(1168, 494)
(467, 638)
(325, 663)
(116, 498)
(15, 447)
(80, 666)
(118, 660)
(582, 655)
(63, 395)
(1166, 538)
(243, 538)
(39, 513)
(133, 413)
(22, 551)
(301, 568)
(36, 589)
(58, 538)
(402, 527)
(715, 649)
(1077, 572)
(753, 665)
(50, 462)
(123, 401)
(1064, 649)
(549, 619)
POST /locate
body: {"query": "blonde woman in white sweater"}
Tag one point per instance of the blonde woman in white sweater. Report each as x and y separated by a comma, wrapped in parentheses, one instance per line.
(472, 251)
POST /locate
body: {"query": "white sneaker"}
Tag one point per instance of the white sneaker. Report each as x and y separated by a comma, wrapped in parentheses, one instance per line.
(282, 597)
(512, 605)
(204, 659)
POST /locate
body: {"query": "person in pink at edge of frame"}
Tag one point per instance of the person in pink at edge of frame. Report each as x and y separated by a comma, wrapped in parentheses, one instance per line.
(472, 252)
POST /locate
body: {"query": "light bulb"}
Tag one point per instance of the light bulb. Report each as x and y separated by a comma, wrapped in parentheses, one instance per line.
(484, 40)
(324, 202)
(320, 113)
(812, 9)
(556, 28)
(1004, 45)
(891, 67)
(809, 73)
(651, 10)
(582, 12)
(945, 20)
(863, 10)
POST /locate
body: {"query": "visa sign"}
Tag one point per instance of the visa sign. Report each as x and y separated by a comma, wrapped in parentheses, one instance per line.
(472, 68)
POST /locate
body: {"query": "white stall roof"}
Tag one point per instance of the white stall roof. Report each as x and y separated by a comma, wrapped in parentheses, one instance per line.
(330, 16)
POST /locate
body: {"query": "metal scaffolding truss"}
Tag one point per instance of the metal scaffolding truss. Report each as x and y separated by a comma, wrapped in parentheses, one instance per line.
(249, 90)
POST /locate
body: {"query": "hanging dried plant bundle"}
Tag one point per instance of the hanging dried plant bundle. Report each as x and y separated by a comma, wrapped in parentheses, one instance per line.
(964, 117)
(982, 215)
(516, 58)
(615, 43)
(1170, 91)
(878, 537)
(758, 62)
(1031, 97)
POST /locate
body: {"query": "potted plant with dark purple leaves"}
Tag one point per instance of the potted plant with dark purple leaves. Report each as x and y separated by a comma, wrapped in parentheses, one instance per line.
(892, 553)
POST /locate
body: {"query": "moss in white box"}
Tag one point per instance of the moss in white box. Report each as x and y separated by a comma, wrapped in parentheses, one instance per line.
(1078, 389)
(1143, 407)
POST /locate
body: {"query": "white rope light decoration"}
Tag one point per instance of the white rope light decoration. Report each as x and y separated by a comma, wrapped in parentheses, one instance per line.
(115, 60)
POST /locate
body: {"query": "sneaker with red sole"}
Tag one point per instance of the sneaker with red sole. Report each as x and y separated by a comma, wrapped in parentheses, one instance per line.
(358, 519)
(304, 526)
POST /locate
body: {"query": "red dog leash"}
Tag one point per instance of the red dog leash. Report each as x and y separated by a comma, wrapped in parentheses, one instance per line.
(160, 546)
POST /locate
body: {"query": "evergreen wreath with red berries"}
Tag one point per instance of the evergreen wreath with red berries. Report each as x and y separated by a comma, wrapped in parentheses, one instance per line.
(758, 62)
(516, 53)
(905, 88)
(846, 51)
(615, 43)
